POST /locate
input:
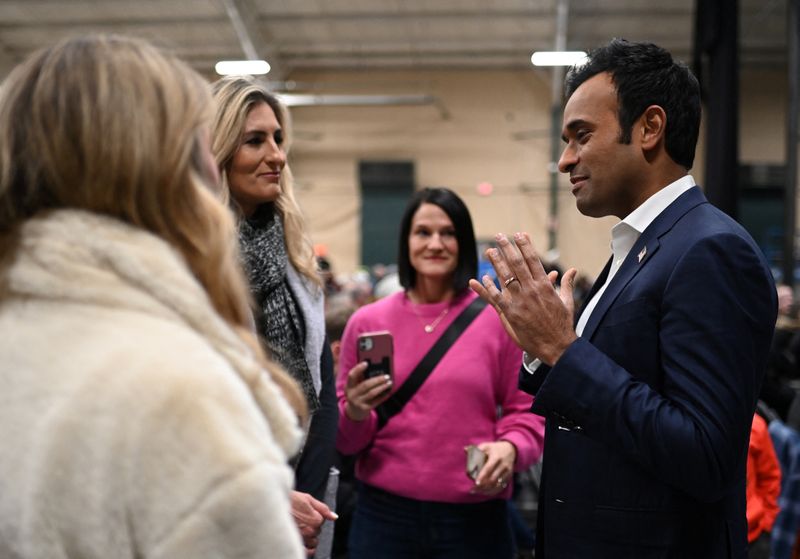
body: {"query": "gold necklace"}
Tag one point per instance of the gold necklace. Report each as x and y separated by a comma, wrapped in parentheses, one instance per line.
(431, 326)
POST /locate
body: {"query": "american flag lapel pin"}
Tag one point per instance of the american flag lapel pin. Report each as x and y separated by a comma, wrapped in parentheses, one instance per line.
(642, 255)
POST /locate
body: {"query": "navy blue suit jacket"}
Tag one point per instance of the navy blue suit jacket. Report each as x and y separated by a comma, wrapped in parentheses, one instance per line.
(649, 411)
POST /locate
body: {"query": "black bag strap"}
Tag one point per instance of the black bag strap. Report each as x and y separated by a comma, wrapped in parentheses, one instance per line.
(396, 401)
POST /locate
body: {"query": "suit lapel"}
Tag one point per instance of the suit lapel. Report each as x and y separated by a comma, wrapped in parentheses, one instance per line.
(641, 253)
(630, 267)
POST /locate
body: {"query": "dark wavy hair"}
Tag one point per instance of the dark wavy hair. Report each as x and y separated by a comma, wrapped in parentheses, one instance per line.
(456, 210)
(645, 74)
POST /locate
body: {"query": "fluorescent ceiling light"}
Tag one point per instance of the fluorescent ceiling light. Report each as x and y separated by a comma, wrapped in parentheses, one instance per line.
(306, 100)
(558, 58)
(241, 67)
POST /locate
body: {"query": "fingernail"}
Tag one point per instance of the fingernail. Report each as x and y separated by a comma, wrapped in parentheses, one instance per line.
(518, 236)
(335, 516)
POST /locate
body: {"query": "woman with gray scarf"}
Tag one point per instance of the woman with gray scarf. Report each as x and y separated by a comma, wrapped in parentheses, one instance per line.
(250, 143)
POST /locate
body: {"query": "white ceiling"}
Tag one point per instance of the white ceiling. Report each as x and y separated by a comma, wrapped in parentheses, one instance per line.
(370, 34)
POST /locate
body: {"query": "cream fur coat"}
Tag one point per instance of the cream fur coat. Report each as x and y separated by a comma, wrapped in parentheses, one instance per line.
(133, 422)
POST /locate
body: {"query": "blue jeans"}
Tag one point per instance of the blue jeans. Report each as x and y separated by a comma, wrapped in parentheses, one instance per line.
(387, 526)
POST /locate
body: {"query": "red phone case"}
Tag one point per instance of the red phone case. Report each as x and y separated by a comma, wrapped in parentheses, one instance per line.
(377, 349)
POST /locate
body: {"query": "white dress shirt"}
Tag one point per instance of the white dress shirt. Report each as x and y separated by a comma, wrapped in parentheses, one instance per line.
(623, 236)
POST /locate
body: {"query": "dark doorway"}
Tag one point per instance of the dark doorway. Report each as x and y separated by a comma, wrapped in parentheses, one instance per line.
(386, 187)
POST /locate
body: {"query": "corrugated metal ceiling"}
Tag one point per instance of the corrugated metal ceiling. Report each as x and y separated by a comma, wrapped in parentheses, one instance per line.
(373, 34)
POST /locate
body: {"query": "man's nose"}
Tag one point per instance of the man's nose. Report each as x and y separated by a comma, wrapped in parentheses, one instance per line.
(567, 160)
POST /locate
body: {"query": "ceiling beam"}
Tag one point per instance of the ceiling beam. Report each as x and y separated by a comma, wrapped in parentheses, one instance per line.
(488, 14)
(109, 22)
(243, 18)
(384, 15)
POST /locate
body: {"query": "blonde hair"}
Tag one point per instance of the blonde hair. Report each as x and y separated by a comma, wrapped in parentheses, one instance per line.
(235, 97)
(111, 125)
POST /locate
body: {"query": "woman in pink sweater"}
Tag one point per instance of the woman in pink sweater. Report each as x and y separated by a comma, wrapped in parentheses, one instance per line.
(415, 498)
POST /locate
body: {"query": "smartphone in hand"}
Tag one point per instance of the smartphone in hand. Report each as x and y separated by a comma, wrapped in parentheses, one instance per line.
(377, 349)
(476, 458)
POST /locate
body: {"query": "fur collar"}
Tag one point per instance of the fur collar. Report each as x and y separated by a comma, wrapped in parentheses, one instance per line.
(90, 259)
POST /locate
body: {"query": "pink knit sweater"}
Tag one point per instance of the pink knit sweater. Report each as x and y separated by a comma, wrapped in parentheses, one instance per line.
(420, 453)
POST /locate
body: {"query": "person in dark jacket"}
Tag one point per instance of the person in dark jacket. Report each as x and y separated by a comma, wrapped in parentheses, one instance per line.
(649, 397)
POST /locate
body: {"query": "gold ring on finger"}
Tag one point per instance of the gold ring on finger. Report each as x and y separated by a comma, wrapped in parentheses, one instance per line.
(509, 281)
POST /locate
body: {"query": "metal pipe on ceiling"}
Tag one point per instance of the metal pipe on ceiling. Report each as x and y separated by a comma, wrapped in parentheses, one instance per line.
(556, 92)
(239, 27)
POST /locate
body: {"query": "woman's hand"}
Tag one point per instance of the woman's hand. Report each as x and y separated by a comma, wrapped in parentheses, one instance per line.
(364, 395)
(309, 514)
(499, 468)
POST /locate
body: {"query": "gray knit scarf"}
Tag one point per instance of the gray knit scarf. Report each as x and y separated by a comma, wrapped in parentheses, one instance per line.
(277, 315)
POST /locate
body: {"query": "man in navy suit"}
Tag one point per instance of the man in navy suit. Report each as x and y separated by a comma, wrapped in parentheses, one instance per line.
(649, 396)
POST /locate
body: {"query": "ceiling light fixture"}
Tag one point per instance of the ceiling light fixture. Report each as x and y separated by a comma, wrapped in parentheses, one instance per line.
(242, 67)
(558, 58)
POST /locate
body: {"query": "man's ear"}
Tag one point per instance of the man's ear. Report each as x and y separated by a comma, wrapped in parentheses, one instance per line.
(652, 127)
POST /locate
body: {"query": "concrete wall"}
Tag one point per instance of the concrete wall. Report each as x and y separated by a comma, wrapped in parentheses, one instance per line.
(490, 126)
